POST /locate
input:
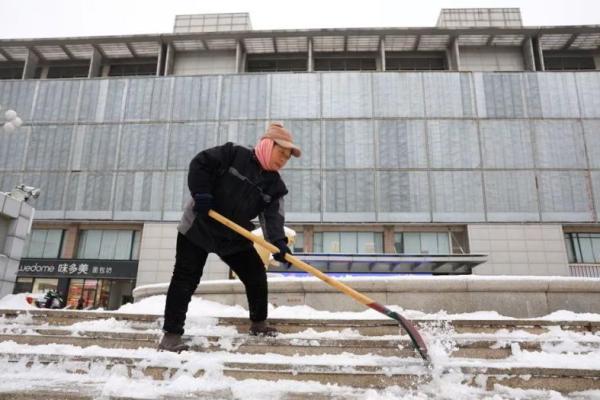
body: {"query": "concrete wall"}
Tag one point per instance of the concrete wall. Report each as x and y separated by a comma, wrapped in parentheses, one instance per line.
(520, 249)
(157, 256)
(15, 219)
(214, 62)
(518, 297)
(491, 59)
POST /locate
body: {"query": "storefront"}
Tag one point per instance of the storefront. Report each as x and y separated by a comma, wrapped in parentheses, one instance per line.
(82, 283)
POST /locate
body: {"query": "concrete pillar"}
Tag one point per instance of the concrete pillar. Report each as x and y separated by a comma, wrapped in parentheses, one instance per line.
(311, 61)
(528, 57)
(382, 54)
(389, 239)
(31, 64)
(95, 64)
(538, 54)
(308, 231)
(239, 57)
(69, 248)
(169, 59)
(160, 62)
(453, 55)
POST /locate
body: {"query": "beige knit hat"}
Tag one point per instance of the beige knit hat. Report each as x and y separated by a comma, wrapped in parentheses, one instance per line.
(282, 137)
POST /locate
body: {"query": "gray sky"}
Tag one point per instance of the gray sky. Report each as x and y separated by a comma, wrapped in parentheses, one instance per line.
(64, 18)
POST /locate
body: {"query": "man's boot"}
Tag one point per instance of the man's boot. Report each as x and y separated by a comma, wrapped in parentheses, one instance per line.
(172, 342)
(262, 329)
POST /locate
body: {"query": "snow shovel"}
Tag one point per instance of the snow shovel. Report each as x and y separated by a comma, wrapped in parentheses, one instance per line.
(414, 334)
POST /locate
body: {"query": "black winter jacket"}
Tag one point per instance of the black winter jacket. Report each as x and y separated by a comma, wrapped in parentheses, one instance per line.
(241, 191)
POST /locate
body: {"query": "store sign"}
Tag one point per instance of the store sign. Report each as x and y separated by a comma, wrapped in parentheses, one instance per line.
(78, 268)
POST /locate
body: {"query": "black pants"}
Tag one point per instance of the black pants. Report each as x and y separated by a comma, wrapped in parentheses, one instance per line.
(189, 264)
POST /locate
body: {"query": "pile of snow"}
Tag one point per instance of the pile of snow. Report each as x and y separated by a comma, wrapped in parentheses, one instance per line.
(16, 302)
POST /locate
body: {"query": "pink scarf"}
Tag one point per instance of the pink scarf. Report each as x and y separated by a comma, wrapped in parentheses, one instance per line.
(263, 151)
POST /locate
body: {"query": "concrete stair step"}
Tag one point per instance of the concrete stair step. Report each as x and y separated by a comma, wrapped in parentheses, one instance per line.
(464, 347)
(407, 373)
(378, 327)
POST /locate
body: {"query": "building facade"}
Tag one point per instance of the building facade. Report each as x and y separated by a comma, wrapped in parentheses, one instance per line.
(477, 136)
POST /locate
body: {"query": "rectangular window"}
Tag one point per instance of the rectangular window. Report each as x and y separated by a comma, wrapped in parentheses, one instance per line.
(558, 63)
(345, 64)
(348, 242)
(108, 244)
(583, 248)
(142, 69)
(44, 243)
(422, 243)
(415, 64)
(68, 71)
(11, 71)
(276, 65)
(299, 243)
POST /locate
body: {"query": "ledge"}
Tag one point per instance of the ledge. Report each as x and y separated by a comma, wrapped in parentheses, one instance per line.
(519, 297)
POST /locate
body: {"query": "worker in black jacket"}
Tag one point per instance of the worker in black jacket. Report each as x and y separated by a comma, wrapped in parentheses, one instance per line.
(240, 183)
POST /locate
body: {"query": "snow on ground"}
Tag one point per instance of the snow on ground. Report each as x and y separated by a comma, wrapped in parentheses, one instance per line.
(561, 348)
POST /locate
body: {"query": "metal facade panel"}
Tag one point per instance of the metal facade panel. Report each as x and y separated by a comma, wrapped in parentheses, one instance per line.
(591, 129)
(196, 98)
(448, 95)
(90, 191)
(53, 186)
(307, 135)
(595, 176)
(565, 196)
(244, 97)
(511, 195)
(57, 101)
(453, 144)
(347, 95)
(18, 95)
(348, 144)
(149, 99)
(398, 94)
(558, 95)
(304, 188)
(143, 147)
(102, 100)
(403, 192)
(295, 96)
(188, 139)
(95, 147)
(506, 144)
(349, 191)
(499, 95)
(588, 88)
(12, 148)
(243, 133)
(559, 144)
(9, 180)
(139, 191)
(457, 196)
(176, 191)
(401, 143)
(49, 148)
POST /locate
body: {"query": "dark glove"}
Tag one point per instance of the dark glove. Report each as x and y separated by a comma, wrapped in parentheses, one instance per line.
(203, 202)
(283, 250)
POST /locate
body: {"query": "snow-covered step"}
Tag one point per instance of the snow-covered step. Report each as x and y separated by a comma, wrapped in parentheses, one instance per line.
(395, 371)
(369, 327)
(467, 347)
